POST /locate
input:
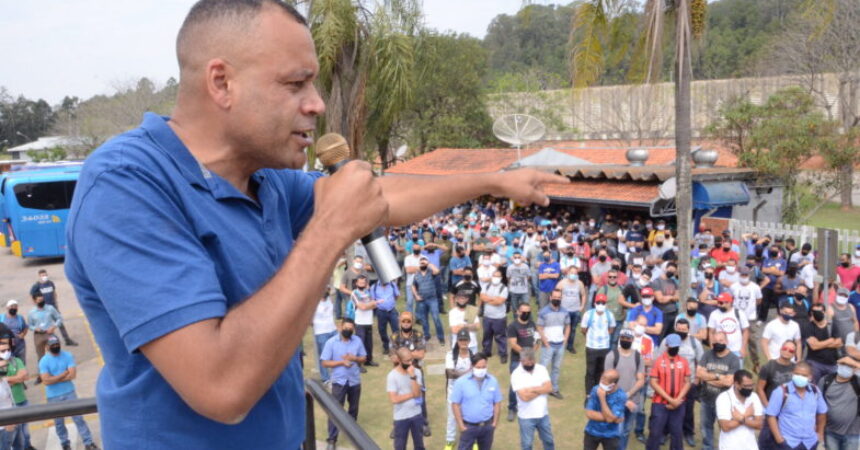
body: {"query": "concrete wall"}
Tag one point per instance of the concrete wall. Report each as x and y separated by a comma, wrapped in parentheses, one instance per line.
(771, 211)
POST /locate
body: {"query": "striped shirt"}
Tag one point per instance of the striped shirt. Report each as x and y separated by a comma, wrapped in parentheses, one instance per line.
(670, 374)
(598, 325)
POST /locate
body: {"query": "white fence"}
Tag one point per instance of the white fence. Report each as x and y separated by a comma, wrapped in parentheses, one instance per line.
(847, 239)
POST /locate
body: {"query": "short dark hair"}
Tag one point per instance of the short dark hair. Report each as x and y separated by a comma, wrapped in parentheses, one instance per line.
(347, 320)
(41, 271)
(205, 10)
(741, 374)
(478, 357)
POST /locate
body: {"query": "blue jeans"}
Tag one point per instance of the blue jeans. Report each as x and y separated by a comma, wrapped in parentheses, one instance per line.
(513, 363)
(663, 418)
(386, 319)
(403, 428)
(60, 422)
(527, 433)
(430, 306)
(339, 299)
(626, 428)
(551, 358)
(574, 325)
(613, 338)
(707, 417)
(410, 300)
(21, 437)
(320, 340)
(835, 441)
(517, 299)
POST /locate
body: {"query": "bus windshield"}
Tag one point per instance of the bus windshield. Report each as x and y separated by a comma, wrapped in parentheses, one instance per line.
(45, 196)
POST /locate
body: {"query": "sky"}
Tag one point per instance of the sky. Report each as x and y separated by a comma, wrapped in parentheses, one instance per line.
(53, 48)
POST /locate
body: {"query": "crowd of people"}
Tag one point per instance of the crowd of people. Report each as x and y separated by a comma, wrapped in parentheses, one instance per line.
(56, 367)
(521, 284)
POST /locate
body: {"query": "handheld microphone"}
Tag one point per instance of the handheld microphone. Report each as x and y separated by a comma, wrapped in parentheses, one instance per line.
(333, 152)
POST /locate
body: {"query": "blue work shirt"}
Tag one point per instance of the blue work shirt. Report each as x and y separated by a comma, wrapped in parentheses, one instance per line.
(654, 317)
(457, 263)
(387, 292)
(156, 243)
(433, 256)
(797, 418)
(476, 403)
(547, 285)
(779, 263)
(334, 349)
(41, 319)
(55, 365)
(615, 401)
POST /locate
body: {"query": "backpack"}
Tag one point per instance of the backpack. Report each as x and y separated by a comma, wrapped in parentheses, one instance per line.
(828, 380)
(785, 394)
(615, 356)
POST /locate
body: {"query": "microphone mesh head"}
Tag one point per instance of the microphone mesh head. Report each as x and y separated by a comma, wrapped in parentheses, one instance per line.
(331, 149)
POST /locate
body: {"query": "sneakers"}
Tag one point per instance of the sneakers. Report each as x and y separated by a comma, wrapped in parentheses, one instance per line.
(427, 432)
(67, 447)
(391, 435)
(557, 395)
(641, 438)
(373, 364)
(362, 369)
(511, 415)
(503, 359)
(331, 445)
(690, 440)
(449, 445)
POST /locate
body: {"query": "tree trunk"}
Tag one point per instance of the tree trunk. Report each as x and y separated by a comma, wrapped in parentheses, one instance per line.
(848, 87)
(683, 132)
(846, 186)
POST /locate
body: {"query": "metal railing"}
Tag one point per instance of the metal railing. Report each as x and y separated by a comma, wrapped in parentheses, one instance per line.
(315, 392)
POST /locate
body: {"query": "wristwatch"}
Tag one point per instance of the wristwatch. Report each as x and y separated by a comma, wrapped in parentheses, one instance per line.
(413, 377)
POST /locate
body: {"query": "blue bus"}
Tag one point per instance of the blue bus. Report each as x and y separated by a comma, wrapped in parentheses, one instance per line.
(34, 205)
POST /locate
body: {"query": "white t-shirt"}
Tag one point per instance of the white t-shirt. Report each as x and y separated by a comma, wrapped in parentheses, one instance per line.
(411, 260)
(362, 316)
(485, 275)
(457, 316)
(746, 298)
(777, 333)
(324, 317)
(729, 279)
(742, 437)
(537, 407)
(807, 275)
(728, 323)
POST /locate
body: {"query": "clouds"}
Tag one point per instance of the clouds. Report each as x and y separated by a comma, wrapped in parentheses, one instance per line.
(55, 48)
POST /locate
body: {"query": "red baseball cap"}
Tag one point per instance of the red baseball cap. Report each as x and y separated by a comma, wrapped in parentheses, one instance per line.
(725, 297)
(600, 298)
(647, 292)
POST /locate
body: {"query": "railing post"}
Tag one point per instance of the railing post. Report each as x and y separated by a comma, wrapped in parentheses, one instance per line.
(310, 426)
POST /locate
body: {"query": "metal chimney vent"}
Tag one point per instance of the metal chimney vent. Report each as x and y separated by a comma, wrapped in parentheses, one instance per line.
(705, 157)
(637, 156)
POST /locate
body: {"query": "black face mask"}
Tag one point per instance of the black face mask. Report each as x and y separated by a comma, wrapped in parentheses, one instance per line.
(626, 345)
(692, 312)
(40, 304)
(719, 348)
(709, 276)
(555, 303)
(602, 258)
(682, 335)
(461, 305)
(818, 315)
(423, 267)
(405, 366)
(845, 264)
(13, 311)
(467, 277)
(745, 392)
(55, 349)
(528, 368)
(670, 274)
(672, 351)
(616, 267)
(483, 234)
(416, 252)
(774, 254)
(346, 334)
(724, 308)
(525, 316)
(786, 317)
(406, 329)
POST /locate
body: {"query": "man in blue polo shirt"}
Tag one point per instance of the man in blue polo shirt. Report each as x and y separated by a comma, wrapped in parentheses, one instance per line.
(184, 231)
(646, 308)
(797, 412)
(604, 408)
(385, 295)
(344, 354)
(57, 369)
(476, 401)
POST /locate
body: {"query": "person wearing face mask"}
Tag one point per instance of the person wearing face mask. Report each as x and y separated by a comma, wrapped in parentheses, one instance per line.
(458, 362)
(776, 372)
(778, 331)
(459, 262)
(403, 385)
(411, 266)
(495, 300)
(747, 295)
(733, 323)
(698, 322)
(344, 354)
(476, 401)
(740, 414)
(666, 295)
(796, 413)
(605, 411)
(426, 296)
(653, 315)
(13, 323)
(670, 380)
(44, 320)
(707, 291)
(773, 267)
(519, 277)
(531, 383)
(15, 375)
(554, 327)
(57, 370)
(691, 350)
(714, 373)
(360, 308)
(522, 334)
(597, 325)
(847, 271)
(841, 391)
(324, 329)
(468, 286)
(631, 378)
(481, 246)
(46, 287)
(822, 346)
(572, 298)
(729, 275)
(842, 315)
(549, 273)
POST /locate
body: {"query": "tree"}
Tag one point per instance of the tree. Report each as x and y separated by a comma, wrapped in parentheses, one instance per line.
(777, 138)
(23, 120)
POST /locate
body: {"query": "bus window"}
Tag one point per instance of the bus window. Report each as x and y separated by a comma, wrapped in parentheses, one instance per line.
(46, 196)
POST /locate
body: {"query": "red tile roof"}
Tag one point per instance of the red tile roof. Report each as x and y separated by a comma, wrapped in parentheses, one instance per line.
(603, 191)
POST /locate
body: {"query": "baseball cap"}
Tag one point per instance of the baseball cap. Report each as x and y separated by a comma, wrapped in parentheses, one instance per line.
(725, 297)
(53, 339)
(600, 298)
(647, 292)
(626, 333)
(11, 302)
(463, 335)
(744, 270)
(840, 291)
(673, 340)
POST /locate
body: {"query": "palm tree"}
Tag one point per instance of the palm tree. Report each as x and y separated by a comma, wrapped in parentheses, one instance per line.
(593, 23)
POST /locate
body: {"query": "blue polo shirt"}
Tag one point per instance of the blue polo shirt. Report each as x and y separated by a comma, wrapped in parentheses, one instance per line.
(779, 263)
(797, 417)
(334, 349)
(615, 401)
(547, 285)
(476, 403)
(156, 243)
(387, 292)
(55, 365)
(457, 263)
(654, 316)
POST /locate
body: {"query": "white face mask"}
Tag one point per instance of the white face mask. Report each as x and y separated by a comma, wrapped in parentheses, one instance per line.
(44, 278)
(643, 282)
(857, 253)
(496, 280)
(841, 371)
(731, 269)
(6, 355)
(479, 373)
(661, 227)
(600, 307)
(745, 280)
(357, 265)
(485, 262)
(647, 301)
(841, 299)
(638, 330)
(607, 387)
(517, 260)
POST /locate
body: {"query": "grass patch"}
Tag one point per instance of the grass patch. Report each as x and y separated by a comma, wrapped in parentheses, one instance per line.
(830, 216)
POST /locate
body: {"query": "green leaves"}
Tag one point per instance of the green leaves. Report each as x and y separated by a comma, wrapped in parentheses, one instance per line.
(590, 24)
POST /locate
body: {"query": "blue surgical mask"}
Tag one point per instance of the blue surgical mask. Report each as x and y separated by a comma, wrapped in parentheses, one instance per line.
(573, 276)
(800, 380)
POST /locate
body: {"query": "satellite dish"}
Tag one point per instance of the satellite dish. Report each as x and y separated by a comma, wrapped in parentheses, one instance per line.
(668, 189)
(518, 129)
(401, 151)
